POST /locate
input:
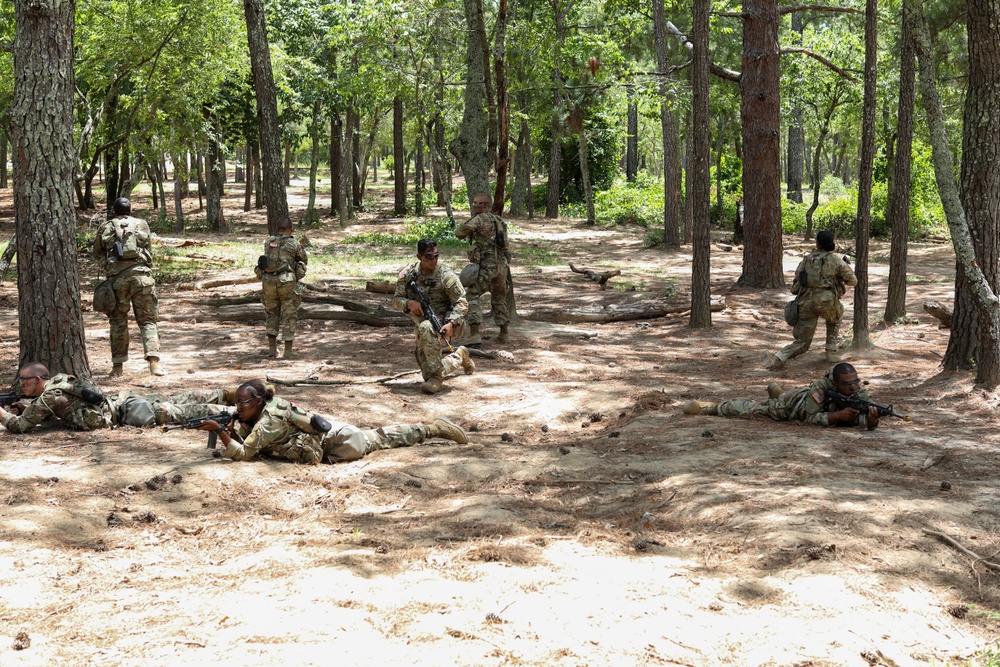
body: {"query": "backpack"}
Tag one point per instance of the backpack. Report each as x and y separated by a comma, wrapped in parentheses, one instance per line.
(812, 274)
(500, 239)
(127, 245)
(272, 251)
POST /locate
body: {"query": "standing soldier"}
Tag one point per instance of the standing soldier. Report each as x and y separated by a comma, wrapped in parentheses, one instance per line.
(123, 244)
(442, 290)
(280, 269)
(821, 279)
(488, 234)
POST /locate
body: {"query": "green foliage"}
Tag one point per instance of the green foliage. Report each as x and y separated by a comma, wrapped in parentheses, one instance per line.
(988, 658)
(438, 229)
(793, 216)
(604, 149)
(638, 203)
(731, 172)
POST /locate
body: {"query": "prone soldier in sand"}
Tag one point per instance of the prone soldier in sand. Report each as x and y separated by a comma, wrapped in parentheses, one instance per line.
(820, 280)
(438, 287)
(488, 234)
(280, 269)
(82, 405)
(272, 426)
(836, 399)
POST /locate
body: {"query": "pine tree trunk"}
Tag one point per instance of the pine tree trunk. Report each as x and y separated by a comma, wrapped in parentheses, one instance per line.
(215, 217)
(862, 339)
(521, 193)
(50, 314)
(179, 176)
(471, 144)
(398, 152)
(502, 109)
(269, 130)
(700, 193)
(248, 189)
(239, 175)
(312, 215)
(4, 140)
(760, 111)
(670, 134)
(347, 170)
(201, 181)
(632, 137)
(796, 133)
(336, 161)
(973, 286)
(895, 306)
(357, 157)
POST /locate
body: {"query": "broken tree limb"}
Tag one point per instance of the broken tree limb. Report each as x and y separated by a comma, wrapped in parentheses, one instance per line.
(222, 282)
(380, 286)
(951, 541)
(619, 312)
(291, 383)
(939, 311)
(594, 276)
(255, 313)
(8, 257)
(254, 297)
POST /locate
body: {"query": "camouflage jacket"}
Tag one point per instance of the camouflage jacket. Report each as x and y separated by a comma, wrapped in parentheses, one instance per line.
(286, 259)
(60, 399)
(104, 244)
(832, 273)
(481, 231)
(809, 404)
(442, 288)
(275, 435)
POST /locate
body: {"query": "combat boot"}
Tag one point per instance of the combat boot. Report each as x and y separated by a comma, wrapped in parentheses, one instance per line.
(154, 367)
(474, 337)
(288, 350)
(772, 361)
(442, 427)
(504, 334)
(432, 385)
(272, 346)
(701, 408)
(116, 371)
(468, 365)
(832, 357)
(773, 389)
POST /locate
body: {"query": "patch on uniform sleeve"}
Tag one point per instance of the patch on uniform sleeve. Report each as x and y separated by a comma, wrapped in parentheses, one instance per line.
(818, 397)
(273, 244)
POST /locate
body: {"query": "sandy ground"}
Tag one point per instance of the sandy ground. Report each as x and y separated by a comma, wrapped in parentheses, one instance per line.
(588, 521)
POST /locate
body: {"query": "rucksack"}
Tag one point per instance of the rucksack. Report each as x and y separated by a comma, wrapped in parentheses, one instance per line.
(127, 245)
(812, 274)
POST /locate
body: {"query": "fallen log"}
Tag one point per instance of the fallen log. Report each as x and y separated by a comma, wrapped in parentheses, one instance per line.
(301, 381)
(254, 297)
(380, 286)
(594, 276)
(222, 282)
(619, 312)
(941, 312)
(195, 258)
(255, 313)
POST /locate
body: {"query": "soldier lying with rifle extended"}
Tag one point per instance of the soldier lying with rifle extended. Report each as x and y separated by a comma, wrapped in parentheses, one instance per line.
(836, 399)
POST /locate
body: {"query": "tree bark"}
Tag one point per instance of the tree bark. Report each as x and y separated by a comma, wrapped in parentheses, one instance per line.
(178, 199)
(502, 109)
(555, 150)
(336, 160)
(632, 136)
(700, 194)
(357, 182)
(470, 146)
(215, 217)
(670, 129)
(312, 215)
(50, 314)
(862, 339)
(760, 109)
(895, 307)
(248, 190)
(521, 192)
(269, 129)
(4, 140)
(980, 291)
(796, 134)
(398, 156)
(347, 170)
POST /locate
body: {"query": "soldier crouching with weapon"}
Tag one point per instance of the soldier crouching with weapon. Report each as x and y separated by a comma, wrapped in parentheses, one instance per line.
(836, 399)
(434, 297)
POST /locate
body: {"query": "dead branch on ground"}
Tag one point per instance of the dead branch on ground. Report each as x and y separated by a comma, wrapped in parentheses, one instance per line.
(941, 312)
(951, 541)
(594, 276)
(619, 312)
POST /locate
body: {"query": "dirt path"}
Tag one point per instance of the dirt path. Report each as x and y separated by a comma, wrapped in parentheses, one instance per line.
(764, 544)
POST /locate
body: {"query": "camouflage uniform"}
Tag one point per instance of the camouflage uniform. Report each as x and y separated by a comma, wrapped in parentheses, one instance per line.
(174, 409)
(833, 275)
(133, 283)
(493, 262)
(804, 404)
(446, 294)
(276, 435)
(280, 290)
(61, 399)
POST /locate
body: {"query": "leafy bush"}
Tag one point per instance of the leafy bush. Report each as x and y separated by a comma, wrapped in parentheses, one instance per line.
(838, 216)
(438, 229)
(793, 217)
(639, 203)
(604, 147)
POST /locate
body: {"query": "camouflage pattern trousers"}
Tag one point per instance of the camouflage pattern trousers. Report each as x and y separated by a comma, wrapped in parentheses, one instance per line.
(493, 279)
(428, 352)
(131, 406)
(281, 305)
(779, 409)
(345, 442)
(134, 291)
(815, 304)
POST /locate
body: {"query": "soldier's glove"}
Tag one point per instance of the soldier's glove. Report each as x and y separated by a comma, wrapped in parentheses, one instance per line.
(262, 263)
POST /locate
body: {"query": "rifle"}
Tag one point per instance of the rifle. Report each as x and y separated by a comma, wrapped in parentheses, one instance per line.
(861, 405)
(429, 314)
(222, 419)
(10, 397)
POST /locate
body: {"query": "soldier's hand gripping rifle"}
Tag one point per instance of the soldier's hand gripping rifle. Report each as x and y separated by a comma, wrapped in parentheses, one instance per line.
(429, 313)
(861, 405)
(223, 419)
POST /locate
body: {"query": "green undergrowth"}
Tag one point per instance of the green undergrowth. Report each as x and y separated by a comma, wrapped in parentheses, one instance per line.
(438, 229)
